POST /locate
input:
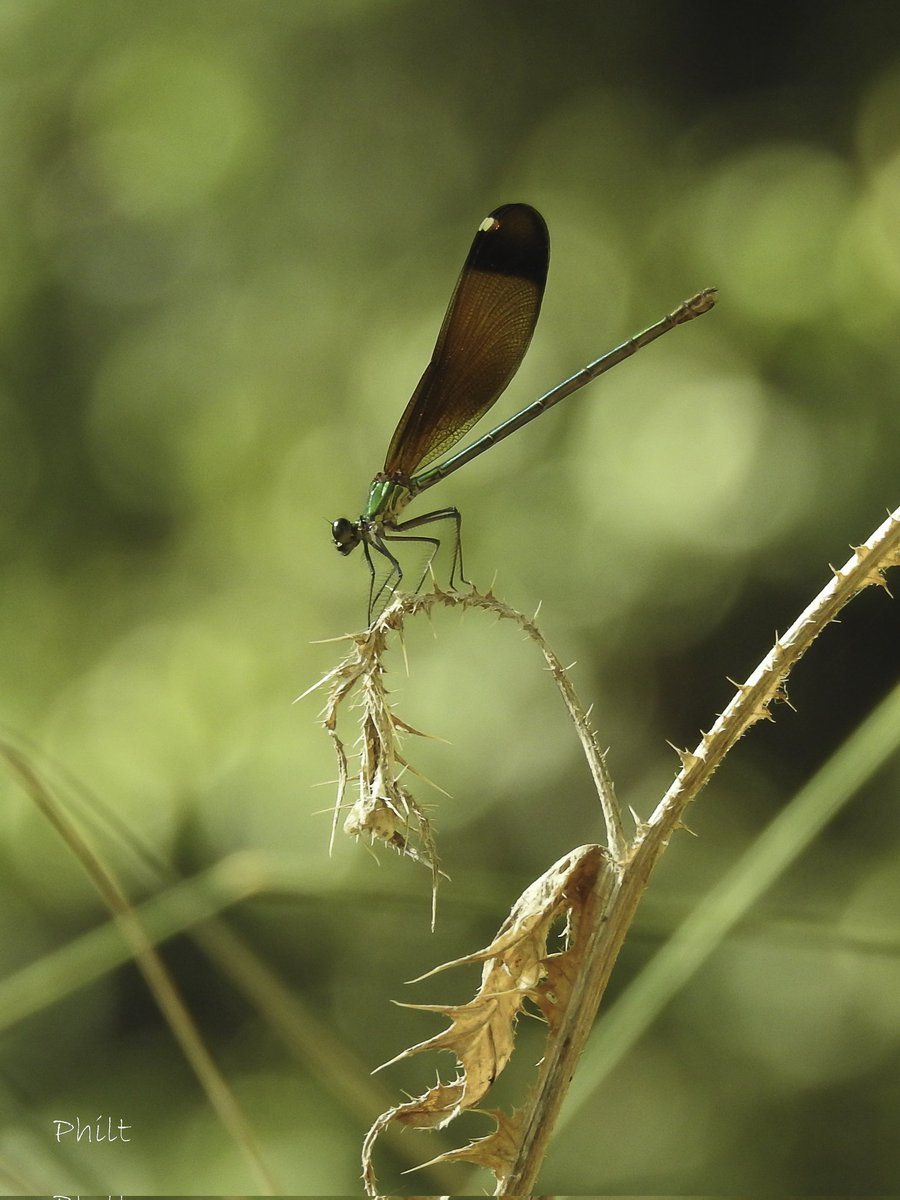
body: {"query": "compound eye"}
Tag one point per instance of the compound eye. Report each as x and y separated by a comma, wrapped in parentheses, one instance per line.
(345, 534)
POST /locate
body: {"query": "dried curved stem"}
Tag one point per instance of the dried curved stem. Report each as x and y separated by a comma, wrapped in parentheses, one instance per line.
(618, 900)
(602, 912)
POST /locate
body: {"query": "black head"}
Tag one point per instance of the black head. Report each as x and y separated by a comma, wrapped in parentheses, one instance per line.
(346, 535)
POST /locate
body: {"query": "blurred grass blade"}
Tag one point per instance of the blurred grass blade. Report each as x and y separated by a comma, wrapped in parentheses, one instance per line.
(147, 959)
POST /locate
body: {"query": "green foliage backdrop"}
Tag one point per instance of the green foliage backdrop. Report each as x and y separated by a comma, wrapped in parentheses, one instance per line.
(229, 231)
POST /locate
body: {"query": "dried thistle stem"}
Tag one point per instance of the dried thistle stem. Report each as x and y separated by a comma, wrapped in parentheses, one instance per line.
(618, 894)
(603, 916)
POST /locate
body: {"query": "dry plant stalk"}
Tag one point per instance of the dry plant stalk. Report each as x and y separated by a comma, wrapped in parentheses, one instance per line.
(596, 889)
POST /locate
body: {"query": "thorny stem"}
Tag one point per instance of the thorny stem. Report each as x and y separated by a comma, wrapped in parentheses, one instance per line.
(619, 887)
(385, 809)
(617, 895)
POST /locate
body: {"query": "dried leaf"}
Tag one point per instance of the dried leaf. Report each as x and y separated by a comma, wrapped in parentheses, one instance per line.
(493, 1151)
(481, 1034)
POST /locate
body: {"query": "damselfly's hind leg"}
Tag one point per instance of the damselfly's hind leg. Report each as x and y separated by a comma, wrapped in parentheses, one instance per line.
(457, 561)
(441, 514)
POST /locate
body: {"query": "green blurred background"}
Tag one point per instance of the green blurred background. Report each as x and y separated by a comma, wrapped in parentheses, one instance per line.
(228, 232)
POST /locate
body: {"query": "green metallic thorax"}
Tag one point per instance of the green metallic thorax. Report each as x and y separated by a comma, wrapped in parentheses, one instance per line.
(387, 499)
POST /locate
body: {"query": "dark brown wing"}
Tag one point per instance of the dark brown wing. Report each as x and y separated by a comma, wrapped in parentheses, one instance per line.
(486, 331)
